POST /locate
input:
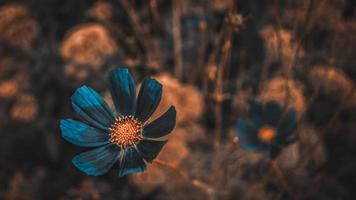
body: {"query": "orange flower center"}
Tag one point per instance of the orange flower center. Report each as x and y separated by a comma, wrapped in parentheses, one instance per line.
(126, 132)
(266, 134)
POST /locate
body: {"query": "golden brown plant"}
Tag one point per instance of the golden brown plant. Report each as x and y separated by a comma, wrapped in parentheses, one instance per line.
(220, 5)
(25, 108)
(77, 72)
(86, 190)
(88, 44)
(8, 88)
(332, 81)
(187, 99)
(14, 77)
(101, 10)
(279, 45)
(17, 28)
(276, 90)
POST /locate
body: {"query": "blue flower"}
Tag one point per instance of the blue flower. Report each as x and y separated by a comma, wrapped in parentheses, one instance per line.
(123, 136)
(267, 129)
(194, 21)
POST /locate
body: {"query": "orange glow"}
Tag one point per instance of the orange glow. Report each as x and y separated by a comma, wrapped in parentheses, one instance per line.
(267, 134)
(8, 88)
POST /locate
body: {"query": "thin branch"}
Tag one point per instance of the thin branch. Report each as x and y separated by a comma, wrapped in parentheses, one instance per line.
(177, 38)
(135, 20)
(295, 57)
(195, 182)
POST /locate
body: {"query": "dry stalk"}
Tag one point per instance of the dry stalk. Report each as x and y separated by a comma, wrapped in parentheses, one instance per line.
(177, 38)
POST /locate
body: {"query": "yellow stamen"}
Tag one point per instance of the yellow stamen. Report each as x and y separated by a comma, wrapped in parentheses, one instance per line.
(266, 134)
(126, 132)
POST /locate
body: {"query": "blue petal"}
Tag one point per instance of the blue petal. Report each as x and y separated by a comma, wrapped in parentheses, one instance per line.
(81, 134)
(132, 162)
(256, 110)
(149, 149)
(161, 126)
(287, 125)
(247, 132)
(148, 98)
(91, 106)
(123, 91)
(98, 161)
(272, 113)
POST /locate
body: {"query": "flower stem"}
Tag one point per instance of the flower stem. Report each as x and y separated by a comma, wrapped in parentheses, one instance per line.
(282, 179)
(219, 95)
(195, 182)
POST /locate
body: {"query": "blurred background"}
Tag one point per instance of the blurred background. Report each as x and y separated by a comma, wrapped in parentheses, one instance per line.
(211, 56)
